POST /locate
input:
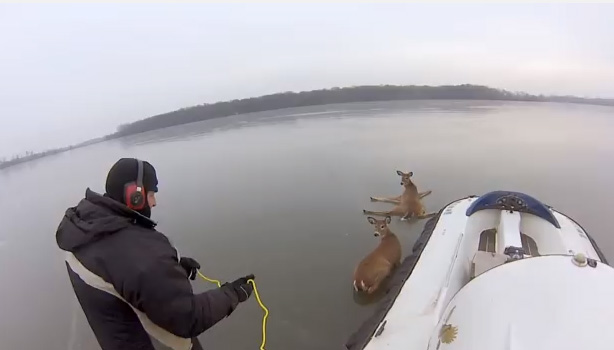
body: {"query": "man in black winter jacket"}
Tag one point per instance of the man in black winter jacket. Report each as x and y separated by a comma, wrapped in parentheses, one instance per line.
(133, 288)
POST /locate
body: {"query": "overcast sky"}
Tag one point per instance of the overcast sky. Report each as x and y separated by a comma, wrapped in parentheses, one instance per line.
(69, 73)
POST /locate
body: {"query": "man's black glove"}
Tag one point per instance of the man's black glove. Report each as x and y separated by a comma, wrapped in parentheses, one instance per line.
(190, 266)
(242, 287)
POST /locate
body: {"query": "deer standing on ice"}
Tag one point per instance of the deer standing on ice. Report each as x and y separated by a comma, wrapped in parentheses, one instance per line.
(408, 204)
(378, 265)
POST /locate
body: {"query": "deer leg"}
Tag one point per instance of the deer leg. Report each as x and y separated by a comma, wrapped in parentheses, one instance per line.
(407, 216)
(393, 212)
(373, 288)
(393, 200)
(378, 279)
(424, 194)
(378, 213)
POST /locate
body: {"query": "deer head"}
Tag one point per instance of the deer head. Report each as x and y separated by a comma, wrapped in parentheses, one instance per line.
(381, 226)
(405, 178)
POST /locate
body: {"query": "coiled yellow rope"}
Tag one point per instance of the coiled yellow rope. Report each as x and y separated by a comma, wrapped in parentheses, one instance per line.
(262, 306)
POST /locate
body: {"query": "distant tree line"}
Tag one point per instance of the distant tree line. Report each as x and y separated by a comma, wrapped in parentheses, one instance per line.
(337, 95)
(28, 156)
(313, 98)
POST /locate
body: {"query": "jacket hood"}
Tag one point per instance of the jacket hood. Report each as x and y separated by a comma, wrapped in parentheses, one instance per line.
(94, 218)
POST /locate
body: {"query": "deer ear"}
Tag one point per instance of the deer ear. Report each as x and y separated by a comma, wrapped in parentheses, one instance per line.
(400, 173)
(388, 219)
(371, 220)
(411, 173)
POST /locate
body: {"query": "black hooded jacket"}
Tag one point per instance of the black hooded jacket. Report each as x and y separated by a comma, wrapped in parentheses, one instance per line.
(127, 277)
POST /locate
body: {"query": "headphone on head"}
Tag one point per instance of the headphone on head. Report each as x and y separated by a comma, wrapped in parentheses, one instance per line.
(134, 193)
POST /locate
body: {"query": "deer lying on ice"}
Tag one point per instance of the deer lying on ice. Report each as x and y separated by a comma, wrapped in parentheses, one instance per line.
(408, 204)
(378, 265)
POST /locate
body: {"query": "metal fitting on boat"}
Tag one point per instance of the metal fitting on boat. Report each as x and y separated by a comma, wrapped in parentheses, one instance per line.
(580, 260)
(592, 262)
(514, 253)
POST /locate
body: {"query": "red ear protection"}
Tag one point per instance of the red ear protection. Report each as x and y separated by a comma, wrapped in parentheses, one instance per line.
(134, 193)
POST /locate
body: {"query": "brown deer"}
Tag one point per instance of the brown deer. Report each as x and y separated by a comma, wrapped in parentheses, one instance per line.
(378, 265)
(408, 204)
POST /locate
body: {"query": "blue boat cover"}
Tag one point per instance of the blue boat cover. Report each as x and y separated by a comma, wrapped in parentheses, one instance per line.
(516, 201)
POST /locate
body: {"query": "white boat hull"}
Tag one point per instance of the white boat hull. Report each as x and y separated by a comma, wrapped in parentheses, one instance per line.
(471, 238)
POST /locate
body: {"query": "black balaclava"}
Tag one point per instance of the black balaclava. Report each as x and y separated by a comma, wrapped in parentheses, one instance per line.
(125, 171)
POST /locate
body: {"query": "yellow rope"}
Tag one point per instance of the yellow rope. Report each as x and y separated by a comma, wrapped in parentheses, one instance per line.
(219, 284)
(264, 317)
(262, 306)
